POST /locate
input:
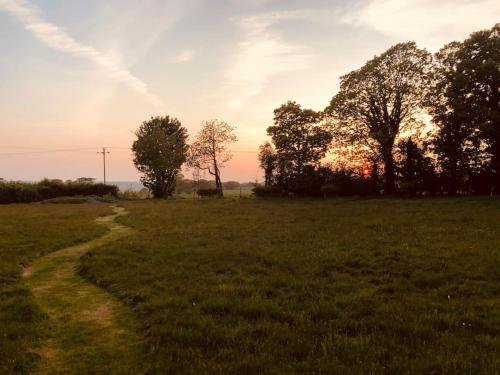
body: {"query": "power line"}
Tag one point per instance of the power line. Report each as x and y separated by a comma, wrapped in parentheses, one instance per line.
(48, 151)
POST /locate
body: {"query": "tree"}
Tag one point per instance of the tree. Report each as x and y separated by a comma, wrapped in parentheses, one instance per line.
(479, 67)
(455, 140)
(267, 160)
(210, 149)
(299, 139)
(159, 152)
(379, 100)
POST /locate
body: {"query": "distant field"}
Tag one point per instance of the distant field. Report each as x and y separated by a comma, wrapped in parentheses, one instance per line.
(234, 193)
(311, 286)
(27, 232)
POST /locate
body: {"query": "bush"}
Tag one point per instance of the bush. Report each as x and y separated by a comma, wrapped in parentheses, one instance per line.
(22, 192)
(208, 193)
(267, 191)
(131, 195)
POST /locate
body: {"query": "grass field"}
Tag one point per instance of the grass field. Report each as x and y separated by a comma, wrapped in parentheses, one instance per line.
(310, 286)
(27, 232)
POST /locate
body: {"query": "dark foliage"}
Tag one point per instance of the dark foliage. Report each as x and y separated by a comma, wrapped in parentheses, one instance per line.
(416, 171)
(22, 192)
(268, 191)
(208, 193)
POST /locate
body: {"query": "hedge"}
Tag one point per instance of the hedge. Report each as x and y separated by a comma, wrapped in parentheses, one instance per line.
(23, 192)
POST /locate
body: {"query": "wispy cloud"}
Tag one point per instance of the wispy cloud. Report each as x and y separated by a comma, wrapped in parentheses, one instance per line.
(185, 56)
(56, 38)
(431, 23)
(262, 54)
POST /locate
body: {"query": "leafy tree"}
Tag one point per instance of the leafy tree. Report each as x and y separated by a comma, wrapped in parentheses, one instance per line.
(379, 100)
(159, 152)
(299, 139)
(210, 149)
(267, 160)
(455, 139)
(478, 65)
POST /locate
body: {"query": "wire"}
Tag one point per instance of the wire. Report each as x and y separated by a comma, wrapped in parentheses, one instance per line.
(41, 151)
(46, 151)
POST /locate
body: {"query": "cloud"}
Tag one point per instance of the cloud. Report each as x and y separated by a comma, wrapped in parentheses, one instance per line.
(185, 56)
(431, 23)
(262, 54)
(58, 39)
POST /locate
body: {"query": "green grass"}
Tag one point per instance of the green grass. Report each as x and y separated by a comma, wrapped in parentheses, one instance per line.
(233, 194)
(27, 232)
(311, 286)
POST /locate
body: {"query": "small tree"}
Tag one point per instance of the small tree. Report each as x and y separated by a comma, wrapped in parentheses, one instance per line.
(267, 159)
(300, 140)
(159, 152)
(210, 149)
(381, 99)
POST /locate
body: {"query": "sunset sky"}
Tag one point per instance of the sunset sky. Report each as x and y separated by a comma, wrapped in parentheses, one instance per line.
(78, 75)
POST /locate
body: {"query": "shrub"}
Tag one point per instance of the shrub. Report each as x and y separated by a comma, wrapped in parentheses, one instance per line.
(130, 194)
(208, 193)
(22, 192)
(267, 191)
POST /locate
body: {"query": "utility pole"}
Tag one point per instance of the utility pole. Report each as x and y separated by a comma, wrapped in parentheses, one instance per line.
(104, 152)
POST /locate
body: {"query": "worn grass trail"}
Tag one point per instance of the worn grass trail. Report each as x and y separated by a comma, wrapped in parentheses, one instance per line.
(89, 331)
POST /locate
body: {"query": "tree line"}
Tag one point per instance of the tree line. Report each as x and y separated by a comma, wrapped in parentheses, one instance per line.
(406, 121)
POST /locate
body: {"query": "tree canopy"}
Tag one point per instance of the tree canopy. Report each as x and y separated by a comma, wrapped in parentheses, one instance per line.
(210, 150)
(379, 100)
(159, 152)
(299, 139)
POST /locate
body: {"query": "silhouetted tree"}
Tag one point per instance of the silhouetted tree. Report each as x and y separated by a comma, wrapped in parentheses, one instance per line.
(210, 149)
(299, 139)
(478, 65)
(381, 99)
(455, 140)
(159, 152)
(267, 160)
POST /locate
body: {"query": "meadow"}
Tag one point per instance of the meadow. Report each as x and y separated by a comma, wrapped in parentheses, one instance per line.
(310, 286)
(28, 231)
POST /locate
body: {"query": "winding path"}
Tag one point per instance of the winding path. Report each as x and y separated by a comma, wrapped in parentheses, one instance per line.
(90, 331)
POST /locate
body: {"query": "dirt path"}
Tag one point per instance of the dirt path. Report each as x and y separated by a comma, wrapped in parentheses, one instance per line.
(90, 331)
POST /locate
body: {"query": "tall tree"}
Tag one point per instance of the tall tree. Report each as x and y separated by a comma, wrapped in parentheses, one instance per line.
(479, 66)
(267, 160)
(299, 138)
(210, 150)
(159, 152)
(381, 99)
(455, 139)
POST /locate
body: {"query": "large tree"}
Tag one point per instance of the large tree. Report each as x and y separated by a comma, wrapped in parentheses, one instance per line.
(299, 138)
(381, 99)
(159, 152)
(455, 139)
(479, 67)
(210, 150)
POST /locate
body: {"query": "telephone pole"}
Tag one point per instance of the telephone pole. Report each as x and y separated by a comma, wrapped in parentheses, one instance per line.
(104, 152)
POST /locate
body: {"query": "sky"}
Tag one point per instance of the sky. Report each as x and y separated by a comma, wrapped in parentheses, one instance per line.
(79, 75)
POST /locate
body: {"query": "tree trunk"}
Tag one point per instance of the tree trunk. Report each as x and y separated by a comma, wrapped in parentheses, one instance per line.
(390, 174)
